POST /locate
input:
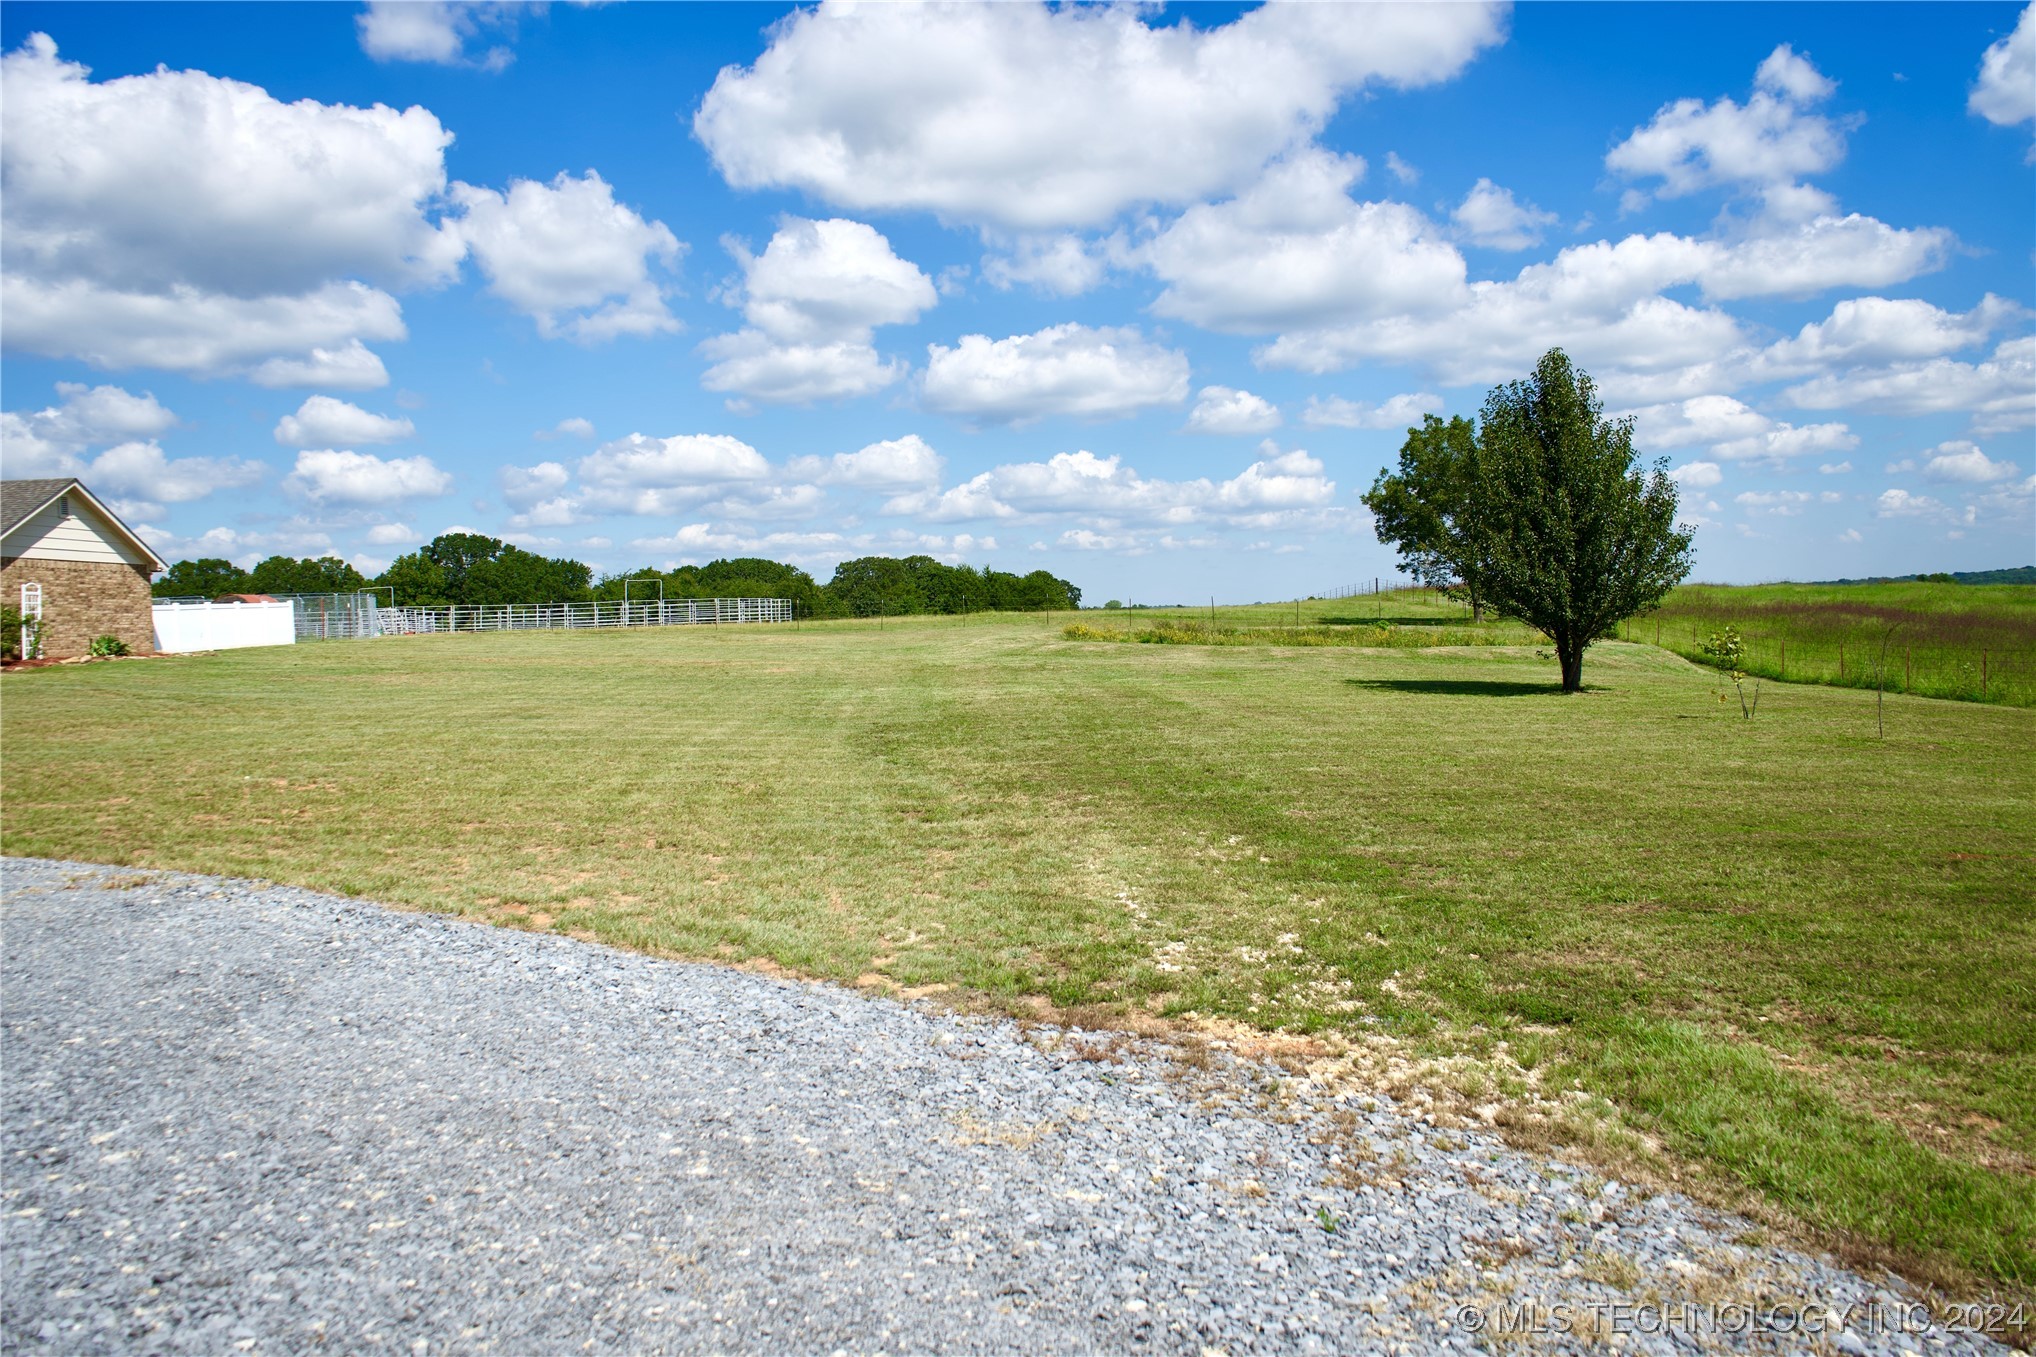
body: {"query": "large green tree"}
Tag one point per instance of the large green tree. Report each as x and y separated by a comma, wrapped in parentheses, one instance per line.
(469, 568)
(418, 581)
(920, 584)
(1422, 508)
(872, 586)
(740, 577)
(755, 577)
(207, 577)
(1570, 533)
(311, 575)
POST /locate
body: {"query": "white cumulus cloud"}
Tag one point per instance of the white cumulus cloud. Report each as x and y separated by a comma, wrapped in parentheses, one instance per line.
(1899, 503)
(1063, 370)
(834, 279)
(1060, 263)
(179, 220)
(523, 486)
(140, 473)
(1963, 461)
(1783, 440)
(812, 300)
(2005, 93)
(1779, 503)
(1395, 412)
(1491, 216)
(351, 367)
(315, 338)
(1105, 490)
(569, 256)
(1768, 143)
(641, 474)
(571, 427)
(752, 364)
(1226, 410)
(1866, 330)
(338, 477)
(322, 419)
(1340, 295)
(1998, 392)
(1733, 431)
(890, 463)
(47, 442)
(1034, 118)
(1700, 419)
(436, 31)
(1296, 250)
(243, 548)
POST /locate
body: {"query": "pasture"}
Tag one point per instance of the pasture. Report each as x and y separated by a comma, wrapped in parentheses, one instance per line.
(1780, 961)
(1972, 642)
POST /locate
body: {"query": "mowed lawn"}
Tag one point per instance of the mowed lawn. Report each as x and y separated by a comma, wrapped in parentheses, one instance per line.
(1799, 958)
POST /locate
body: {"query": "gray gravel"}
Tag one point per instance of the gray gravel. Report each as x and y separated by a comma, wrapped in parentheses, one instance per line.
(240, 1117)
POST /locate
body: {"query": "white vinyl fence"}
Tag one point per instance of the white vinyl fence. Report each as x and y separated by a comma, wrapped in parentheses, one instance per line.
(682, 612)
(222, 626)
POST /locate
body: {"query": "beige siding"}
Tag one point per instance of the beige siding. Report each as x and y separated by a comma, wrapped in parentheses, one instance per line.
(81, 535)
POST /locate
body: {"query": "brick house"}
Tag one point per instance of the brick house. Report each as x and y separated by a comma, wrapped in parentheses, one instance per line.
(92, 570)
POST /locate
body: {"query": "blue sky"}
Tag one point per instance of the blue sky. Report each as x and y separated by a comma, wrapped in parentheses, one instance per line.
(1145, 297)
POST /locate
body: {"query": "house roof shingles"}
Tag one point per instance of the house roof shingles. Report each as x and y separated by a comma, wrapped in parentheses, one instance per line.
(19, 499)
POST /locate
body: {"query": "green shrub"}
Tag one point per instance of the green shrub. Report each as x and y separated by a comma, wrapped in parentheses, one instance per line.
(108, 645)
(11, 624)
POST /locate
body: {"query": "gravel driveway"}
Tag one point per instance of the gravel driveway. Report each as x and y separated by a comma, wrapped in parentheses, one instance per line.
(240, 1117)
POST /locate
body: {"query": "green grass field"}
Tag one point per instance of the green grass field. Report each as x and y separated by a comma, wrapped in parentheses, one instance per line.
(1782, 957)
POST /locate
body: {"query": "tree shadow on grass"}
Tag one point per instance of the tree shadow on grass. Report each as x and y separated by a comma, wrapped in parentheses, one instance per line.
(1461, 687)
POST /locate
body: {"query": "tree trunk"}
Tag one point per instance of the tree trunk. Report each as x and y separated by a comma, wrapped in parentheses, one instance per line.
(1571, 653)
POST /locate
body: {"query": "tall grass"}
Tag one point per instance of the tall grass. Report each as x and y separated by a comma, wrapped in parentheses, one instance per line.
(1975, 643)
(1370, 635)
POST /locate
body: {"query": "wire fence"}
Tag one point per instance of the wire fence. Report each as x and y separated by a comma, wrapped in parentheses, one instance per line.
(683, 612)
(335, 617)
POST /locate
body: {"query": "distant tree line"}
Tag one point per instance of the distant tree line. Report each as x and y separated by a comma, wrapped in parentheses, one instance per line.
(2019, 574)
(469, 569)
